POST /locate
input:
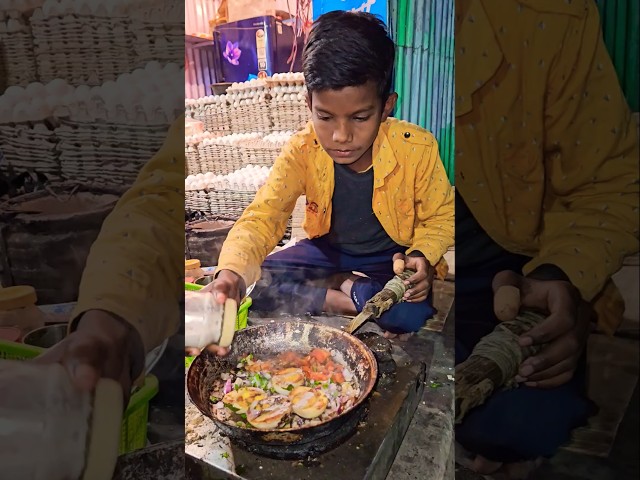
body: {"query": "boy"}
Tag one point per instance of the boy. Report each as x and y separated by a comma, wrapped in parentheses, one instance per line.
(375, 187)
(547, 177)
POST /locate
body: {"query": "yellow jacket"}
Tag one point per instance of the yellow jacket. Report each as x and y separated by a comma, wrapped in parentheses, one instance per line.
(546, 152)
(412, 197)
(134, 269)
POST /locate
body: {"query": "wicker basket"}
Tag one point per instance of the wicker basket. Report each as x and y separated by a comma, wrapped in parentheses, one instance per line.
(65, 48)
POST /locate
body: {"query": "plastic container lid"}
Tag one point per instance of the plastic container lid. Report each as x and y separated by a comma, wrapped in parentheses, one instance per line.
(191, 264)
(17, 297)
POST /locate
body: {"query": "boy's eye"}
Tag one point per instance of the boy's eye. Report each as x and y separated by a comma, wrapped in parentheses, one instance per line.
(323, 117)
(361, 119)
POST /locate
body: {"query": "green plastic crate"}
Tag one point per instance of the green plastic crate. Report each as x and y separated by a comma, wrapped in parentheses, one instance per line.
(133, 434)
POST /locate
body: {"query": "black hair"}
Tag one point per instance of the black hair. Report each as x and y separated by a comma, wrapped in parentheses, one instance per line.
(348, 49)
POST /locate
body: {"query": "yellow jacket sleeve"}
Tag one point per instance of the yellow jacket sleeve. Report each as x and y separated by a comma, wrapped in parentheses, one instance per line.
(263, 223)
(592, 156)
(134, 269)
(435, 217)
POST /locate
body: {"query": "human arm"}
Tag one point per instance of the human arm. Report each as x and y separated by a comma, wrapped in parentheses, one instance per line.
(262, 224)
(131, 286)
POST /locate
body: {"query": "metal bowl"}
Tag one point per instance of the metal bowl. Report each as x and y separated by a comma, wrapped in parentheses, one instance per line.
(47, 336)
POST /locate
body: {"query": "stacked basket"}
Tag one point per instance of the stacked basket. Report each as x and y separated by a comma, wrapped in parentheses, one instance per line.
(107, 153)
(250, 107)
(264, 151)
(213, 111)
(39, 140)
(288, 105)
(223, 155)
(65, 47)
(17, 60)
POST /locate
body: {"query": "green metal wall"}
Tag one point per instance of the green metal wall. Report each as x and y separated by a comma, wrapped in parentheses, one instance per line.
(423, 31)
(620, 27)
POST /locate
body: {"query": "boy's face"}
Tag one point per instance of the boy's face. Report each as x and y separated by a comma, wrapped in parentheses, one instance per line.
(346, 122)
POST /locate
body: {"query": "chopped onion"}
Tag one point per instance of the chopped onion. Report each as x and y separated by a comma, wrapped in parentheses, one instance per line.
(227, 386)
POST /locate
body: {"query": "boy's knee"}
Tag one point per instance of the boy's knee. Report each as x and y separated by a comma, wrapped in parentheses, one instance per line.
(407, 317)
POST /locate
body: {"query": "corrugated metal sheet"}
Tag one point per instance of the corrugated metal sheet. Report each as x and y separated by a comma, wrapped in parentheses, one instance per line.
(620, 27)
(423, 32)
(199, 67)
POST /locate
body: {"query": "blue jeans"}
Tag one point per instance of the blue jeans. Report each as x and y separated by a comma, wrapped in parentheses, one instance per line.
(287, 283)
(523, 423)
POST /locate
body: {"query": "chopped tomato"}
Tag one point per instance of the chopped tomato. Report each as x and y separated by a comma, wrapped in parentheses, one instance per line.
(337, 377)
(318, 376)
(320, 354)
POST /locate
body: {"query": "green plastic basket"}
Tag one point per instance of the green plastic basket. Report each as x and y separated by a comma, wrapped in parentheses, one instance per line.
(133, 434)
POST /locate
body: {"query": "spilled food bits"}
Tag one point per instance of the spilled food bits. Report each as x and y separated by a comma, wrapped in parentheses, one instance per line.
(450, 378)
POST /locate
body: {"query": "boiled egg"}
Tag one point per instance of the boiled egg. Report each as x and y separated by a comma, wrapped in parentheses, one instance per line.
(242, 398)
(307, 402)
(284, 379)
(266, 413)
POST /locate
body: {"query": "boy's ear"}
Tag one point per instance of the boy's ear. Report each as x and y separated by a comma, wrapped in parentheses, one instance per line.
(389, 105)
(308, 99)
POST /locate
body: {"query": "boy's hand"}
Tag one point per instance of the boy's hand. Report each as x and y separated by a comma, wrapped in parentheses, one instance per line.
(227, 284)
(564, 332)
(102, 346)
(419, 284)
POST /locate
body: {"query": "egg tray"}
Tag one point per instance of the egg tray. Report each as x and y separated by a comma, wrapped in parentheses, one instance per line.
(18, 62)
(69, 29)
(193, 165)
(220, 159)
(260, 155)
(197, 200)
(252, 118)
(65, 46)
(214, 120)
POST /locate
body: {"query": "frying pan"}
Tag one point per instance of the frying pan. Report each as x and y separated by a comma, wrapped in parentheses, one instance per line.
(266, 341)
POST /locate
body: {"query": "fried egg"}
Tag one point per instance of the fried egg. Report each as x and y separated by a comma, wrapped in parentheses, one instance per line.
(267, 413)
(287, 378)
(307, 402)
(243, 397)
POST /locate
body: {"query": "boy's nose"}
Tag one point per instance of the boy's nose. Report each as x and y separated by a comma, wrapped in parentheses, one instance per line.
(341, 135)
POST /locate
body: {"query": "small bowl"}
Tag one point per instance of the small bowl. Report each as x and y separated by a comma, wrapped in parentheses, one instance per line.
(46, 337)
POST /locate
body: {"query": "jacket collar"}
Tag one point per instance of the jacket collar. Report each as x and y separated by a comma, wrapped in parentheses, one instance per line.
(384, 159)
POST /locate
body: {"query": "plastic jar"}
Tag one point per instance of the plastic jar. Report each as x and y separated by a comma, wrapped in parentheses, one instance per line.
(18, 308)
(192, 270)
(70, 434)
(208, 322)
